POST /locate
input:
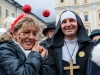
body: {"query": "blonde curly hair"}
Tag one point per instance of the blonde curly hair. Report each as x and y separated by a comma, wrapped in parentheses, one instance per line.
(23, 22)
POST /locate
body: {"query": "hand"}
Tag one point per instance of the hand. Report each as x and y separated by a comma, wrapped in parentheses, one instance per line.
(43, 51)
(40, 49)
(36, 47)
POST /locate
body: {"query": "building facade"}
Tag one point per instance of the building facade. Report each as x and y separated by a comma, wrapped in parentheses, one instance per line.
(88, 10)
(10, 8)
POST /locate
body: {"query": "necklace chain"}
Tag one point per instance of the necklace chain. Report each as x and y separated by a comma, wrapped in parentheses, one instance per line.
(69, 51)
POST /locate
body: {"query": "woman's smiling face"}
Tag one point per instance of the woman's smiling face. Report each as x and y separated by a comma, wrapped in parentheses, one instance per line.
(26, 36)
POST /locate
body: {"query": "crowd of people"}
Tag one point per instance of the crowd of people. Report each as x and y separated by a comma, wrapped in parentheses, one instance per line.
(67, 50)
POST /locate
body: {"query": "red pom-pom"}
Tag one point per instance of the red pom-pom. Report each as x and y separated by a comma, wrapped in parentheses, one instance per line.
(46, 13)
(27, 8)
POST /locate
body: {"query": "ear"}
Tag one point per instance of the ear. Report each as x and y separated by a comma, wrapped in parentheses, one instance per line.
(13, 34)
(47, 34)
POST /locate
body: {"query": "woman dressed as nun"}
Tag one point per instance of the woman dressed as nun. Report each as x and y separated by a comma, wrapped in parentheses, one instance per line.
(70, 46)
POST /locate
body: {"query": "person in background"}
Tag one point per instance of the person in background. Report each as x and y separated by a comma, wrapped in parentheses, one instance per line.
(2, 31)
(8, 21)
(95, 35)
(70, 46)
(93, 67)
(48, 32)
(22, 55)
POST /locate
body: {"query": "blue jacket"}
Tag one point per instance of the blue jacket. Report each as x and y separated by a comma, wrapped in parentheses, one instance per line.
(14, 62)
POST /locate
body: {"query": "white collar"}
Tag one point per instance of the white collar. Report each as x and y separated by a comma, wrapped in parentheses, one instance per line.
(70, 41)
(25, 51)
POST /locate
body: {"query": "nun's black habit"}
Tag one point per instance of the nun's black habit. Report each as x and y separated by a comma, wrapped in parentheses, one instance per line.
(55, 51)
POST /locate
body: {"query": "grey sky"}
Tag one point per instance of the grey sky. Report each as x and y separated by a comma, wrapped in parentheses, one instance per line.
(39, 5)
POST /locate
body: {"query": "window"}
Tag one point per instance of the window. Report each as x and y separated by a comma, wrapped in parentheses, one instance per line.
(0, 11)
(86, 16)
(62, 0)
(18, 13)
(85, 1)
(7, 13)
(13, 14)
(75, 1)
(99, 14)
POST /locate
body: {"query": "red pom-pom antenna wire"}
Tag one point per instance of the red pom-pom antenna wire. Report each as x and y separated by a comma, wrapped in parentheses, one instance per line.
(27, 9)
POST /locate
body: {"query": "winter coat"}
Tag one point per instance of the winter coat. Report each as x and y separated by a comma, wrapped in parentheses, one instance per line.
(14, 62)
(45, 43)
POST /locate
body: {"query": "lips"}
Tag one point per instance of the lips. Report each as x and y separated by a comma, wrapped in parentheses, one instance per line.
(68, 28)
(29, 43)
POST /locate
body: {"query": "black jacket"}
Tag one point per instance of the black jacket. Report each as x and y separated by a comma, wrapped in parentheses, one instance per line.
(14, 62)
(55, 49)
(45, 43)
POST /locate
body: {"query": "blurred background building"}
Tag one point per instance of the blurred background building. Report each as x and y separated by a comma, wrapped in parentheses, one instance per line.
(88, 10)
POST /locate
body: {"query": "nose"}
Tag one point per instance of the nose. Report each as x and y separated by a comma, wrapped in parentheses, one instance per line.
(68, 23)
(31, 36)
(53, 32)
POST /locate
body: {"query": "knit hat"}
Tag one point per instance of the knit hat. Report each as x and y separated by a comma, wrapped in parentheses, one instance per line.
(94, 33)
(8, 21)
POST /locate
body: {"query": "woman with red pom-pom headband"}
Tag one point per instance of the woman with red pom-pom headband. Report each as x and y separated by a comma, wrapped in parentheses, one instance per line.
(22, 54)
